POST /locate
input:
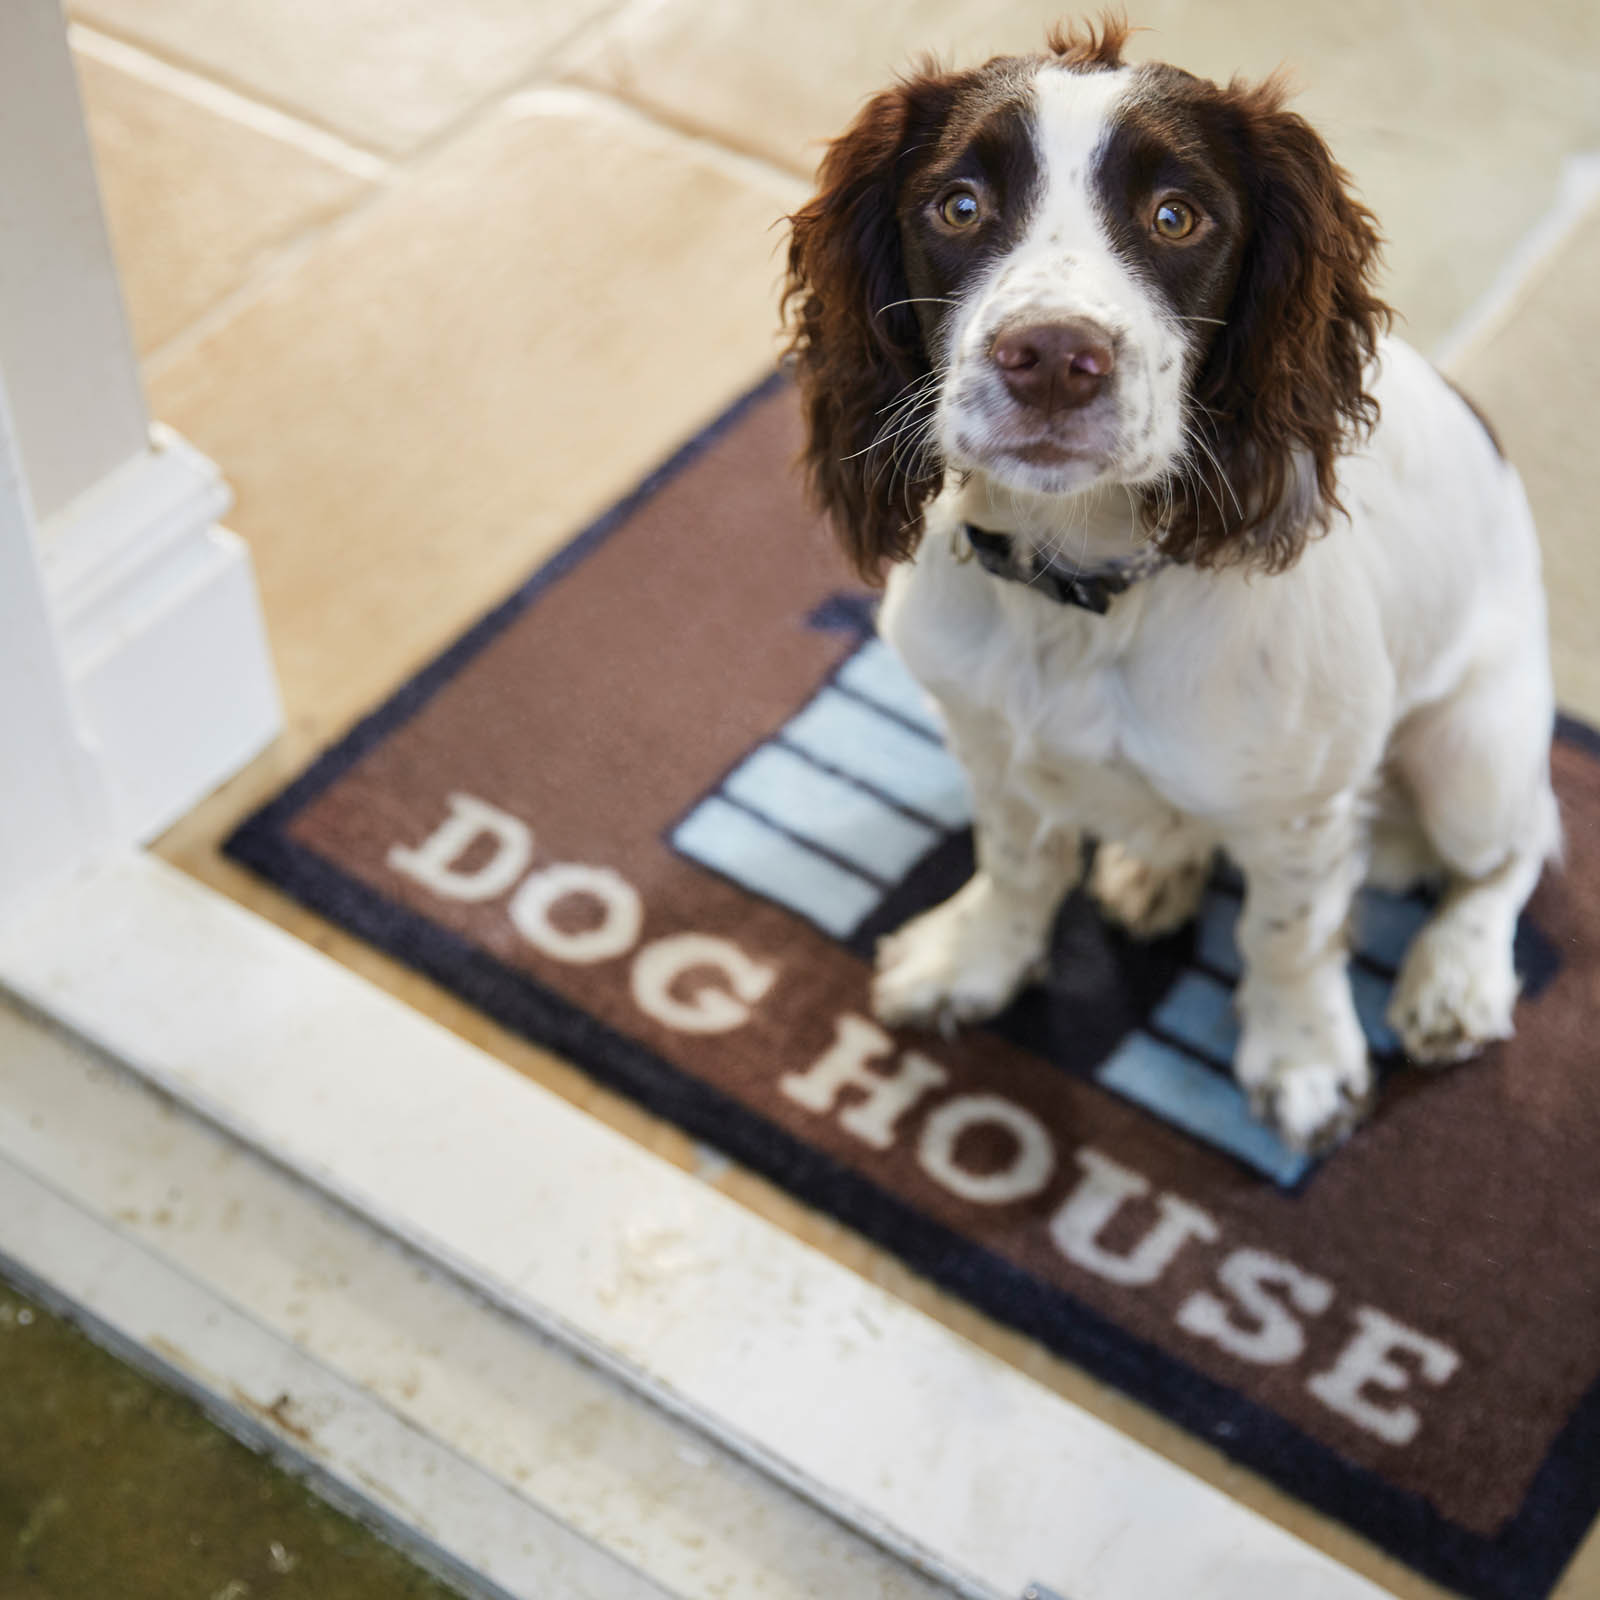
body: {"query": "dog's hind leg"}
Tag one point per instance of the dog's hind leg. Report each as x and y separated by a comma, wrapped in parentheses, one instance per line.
(1153, 883)
(1400, 854)
(1479, 766)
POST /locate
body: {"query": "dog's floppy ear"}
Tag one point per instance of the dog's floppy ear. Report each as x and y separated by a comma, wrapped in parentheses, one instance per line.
(856, 344)
(1282, 391)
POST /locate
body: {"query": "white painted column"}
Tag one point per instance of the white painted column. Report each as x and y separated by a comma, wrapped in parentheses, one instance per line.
(147, 624)
(53, 809)
(76, 404)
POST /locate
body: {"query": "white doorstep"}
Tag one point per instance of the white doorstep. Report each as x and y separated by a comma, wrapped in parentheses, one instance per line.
(495, 1456)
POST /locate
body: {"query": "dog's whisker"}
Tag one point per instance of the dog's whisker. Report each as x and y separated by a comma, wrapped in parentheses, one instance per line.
(893, 427)
(1211, 455)
(908, 451)
(917, 300)
(907, 445)
(1197, 481)
(916, 386)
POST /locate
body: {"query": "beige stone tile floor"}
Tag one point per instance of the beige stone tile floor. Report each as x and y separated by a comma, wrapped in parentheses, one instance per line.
(245, 195)
(1538, 373)
(389, 75)
(420, 381)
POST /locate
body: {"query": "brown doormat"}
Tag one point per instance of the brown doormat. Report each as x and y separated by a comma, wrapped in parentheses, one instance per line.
(653, 812)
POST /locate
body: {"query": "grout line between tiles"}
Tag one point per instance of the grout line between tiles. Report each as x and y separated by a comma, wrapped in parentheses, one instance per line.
(538, 71)
(217, 98)
(227, 91)
(744, 162)
(1577, 189)
(696, 132)
(274, 266)
(212, 89)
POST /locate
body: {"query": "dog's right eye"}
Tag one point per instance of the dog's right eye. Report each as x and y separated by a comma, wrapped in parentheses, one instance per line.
(960, 208)
(1175, 219)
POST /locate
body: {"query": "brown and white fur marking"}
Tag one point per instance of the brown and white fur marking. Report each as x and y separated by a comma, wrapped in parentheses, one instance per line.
(1089, 305)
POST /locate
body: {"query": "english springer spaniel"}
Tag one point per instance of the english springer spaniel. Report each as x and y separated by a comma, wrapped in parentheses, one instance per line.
(1189, 551)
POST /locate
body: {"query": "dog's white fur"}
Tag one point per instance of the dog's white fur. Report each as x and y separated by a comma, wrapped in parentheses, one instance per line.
(1381, 709)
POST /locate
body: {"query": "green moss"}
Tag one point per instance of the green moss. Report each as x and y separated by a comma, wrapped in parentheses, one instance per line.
(111, 1486)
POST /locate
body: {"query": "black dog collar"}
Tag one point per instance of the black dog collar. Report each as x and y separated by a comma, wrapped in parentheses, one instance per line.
(1092, 591)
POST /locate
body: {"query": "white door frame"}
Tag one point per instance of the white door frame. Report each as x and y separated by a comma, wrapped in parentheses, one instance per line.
(134, 676)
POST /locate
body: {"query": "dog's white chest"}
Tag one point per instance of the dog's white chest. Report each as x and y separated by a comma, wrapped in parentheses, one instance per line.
(1039, 686)
(1075, 707)
(1047, 671)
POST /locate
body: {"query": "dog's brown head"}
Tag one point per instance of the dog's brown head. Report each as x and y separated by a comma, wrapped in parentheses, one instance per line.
(1062, 271)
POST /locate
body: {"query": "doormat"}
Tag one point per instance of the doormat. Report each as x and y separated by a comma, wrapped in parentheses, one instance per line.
(653, 812)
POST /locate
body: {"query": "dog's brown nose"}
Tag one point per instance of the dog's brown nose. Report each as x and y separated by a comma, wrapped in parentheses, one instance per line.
(1054, 366)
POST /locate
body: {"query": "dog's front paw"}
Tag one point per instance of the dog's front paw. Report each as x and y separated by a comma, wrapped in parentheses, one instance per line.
(1302, 1060)
(963, 961)
(1147, 901)
(1455, 993)
(1313, 1106)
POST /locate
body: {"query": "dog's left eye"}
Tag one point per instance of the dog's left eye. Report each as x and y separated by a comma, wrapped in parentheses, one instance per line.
(960, 208)
(1175, 219)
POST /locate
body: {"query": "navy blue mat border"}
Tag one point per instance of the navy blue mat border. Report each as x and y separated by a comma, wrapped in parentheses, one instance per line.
(1523, 1562)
